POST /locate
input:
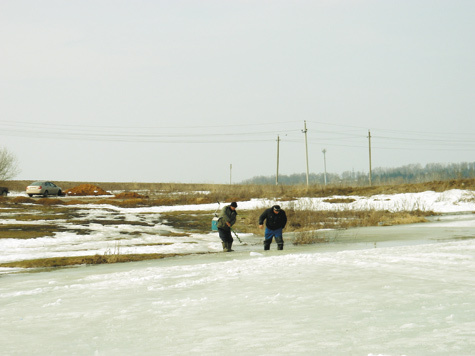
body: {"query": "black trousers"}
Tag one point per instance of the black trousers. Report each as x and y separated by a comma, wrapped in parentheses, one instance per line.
(225, 235)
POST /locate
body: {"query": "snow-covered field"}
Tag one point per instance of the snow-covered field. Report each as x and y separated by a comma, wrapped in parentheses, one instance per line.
(411, 295)
(128, 239)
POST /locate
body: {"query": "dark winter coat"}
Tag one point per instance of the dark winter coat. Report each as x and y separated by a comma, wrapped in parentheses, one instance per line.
(227, 215)
(273, 221)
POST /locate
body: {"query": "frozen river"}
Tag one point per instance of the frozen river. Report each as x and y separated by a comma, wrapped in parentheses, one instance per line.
(404, 290)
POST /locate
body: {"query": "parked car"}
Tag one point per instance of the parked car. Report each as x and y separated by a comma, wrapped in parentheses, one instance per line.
(43, 188)
(4, 191)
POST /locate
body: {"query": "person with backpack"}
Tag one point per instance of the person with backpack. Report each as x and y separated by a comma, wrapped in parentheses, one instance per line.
(227, 218)
(276, 219)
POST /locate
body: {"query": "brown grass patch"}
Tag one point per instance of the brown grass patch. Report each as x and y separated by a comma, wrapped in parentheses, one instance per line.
(174, 234)
(49, 201)
(307, 238)
(310, 220)
(130, 203)
(130, 195)
(87, 260)
(340, 200)
(75, 202)
(197, 221)
(30, 231)
(403, 218)
(23, 200)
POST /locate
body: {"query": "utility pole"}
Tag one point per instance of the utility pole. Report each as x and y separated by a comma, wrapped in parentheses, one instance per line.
(370, 174)
(306, 146)
(325, 165)
(277, 174)
(230, 173)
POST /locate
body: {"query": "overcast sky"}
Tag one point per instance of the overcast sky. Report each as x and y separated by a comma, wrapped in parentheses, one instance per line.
(177, 91)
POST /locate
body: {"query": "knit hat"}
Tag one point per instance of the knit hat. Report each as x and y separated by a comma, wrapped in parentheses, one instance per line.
(276, 207)
(234, 204)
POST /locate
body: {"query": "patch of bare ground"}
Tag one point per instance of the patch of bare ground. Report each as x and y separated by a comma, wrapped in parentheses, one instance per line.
(196, 221)
(30, 231)
(340, 200)
(20, 200)
(88, 260)
(130, 195)
(86, 190)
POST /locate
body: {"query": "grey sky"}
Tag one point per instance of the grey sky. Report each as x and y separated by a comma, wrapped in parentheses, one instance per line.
(176, 91)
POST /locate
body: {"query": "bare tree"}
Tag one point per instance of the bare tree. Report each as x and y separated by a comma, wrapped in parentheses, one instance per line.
(8, 165)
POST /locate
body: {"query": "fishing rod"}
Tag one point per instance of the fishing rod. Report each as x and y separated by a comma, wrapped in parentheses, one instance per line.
(219, 204)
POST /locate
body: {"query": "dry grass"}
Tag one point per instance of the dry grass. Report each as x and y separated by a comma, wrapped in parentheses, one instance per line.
(130, 203)
(87, 260)
(130, 195)
(308, 238)
(310, 220)
(228, 193)
(340, 200)
(50, 201)
(30, 231)
(20, 200)
(189, 221)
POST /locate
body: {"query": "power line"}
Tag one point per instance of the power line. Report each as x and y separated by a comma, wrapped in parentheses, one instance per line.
(93, 127)
(379, 129)
(200, 134)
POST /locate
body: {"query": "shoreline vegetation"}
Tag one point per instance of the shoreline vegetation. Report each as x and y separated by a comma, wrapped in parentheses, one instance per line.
(302, 223)
(56, 262)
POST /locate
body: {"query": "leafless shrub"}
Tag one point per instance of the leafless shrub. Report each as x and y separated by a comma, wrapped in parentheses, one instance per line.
(8, 165)
(114, 255)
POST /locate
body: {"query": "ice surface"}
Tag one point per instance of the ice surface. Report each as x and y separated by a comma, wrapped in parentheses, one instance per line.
(401, 300)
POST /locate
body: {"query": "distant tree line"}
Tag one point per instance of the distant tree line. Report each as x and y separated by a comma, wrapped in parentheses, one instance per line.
(412, 173)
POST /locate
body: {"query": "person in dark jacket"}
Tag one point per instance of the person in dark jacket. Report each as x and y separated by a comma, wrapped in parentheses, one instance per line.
(276, 219)
(227, 218)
